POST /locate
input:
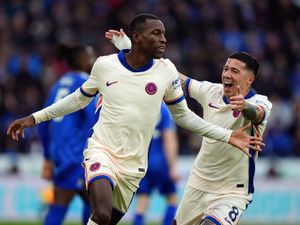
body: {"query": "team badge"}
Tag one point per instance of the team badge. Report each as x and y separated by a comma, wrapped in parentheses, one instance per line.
(236, 113)
(95, 166)
(151, 88)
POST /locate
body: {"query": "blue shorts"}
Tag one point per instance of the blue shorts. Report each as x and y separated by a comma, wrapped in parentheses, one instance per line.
(157, 179)
(71, 177)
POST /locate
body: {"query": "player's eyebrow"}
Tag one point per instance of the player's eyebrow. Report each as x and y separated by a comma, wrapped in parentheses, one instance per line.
(234, 69)
(157, 30)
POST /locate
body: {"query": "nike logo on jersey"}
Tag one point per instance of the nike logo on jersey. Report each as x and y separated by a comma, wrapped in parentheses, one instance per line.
(110, 83)
(213, 106)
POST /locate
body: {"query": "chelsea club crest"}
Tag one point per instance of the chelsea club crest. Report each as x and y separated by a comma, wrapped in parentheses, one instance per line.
(151, 88)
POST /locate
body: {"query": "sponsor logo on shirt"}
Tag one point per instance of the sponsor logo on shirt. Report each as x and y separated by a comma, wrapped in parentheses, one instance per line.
(151, 88)
(95, 166)
(213, 106)
(176, 83)
(110, 83)
(259, 102)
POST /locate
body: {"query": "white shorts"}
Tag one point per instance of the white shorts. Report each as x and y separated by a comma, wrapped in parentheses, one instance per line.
(197, 205)
(98, 165)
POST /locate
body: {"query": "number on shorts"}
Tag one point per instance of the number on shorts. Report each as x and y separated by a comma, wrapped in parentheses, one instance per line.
(233, 214)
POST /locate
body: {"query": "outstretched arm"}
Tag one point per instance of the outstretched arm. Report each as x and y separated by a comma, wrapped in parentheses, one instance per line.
(185, 118)
(67, 105)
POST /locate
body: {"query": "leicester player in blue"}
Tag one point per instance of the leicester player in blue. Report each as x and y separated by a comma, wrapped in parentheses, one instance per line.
(64, 138)
(162, 173)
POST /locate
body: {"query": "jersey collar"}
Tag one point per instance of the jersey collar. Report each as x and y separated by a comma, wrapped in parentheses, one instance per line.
(250, 94)
(122, 59)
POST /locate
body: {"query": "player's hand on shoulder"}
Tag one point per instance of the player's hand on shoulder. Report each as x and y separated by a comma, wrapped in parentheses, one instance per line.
(118, 38)
(17, 127)
(237, 101)
(240, 139)
(109, 35)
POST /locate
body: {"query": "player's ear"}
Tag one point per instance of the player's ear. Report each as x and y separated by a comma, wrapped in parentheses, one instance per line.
(135, 36)
(251, 79)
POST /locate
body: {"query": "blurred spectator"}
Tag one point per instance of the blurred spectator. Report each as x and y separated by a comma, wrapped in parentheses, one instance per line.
(200, 35)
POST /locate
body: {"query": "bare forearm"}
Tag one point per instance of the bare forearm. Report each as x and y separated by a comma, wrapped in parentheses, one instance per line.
(252, 112)
(183, 80)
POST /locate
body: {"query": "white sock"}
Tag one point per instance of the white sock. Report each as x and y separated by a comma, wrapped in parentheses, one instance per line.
(91, 222)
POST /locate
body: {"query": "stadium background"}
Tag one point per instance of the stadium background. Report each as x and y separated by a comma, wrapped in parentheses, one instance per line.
(200, 34)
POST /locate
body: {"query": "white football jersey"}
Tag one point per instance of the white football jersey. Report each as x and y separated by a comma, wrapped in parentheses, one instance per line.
(219, 167)
(131, 102)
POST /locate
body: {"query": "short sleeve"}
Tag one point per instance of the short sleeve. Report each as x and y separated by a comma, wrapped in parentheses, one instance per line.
(90, 88)
(174, 93)
(198, 90)
(265, 104)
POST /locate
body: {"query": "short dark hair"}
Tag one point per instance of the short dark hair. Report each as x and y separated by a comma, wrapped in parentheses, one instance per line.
(250, 61)
(70, 53)
(140, 19)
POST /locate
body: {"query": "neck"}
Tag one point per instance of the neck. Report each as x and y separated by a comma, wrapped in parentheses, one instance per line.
(134, 63)
(136, 60)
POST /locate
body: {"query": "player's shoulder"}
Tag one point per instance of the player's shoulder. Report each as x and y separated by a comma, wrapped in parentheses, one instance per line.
(211, 85)
(106, 58)
(103, 63)
(166, 63)
(207, 86)
(262, 100)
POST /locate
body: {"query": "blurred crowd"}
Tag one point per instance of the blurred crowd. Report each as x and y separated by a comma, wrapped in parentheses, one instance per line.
(200, 35)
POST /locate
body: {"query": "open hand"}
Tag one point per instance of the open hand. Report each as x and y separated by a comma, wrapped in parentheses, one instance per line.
(17, 127)
(118, 38)
(240, 139)
(111, 33)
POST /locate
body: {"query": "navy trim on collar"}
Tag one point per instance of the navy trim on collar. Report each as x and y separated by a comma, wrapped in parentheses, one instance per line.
(122, 60)
(250, 94)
